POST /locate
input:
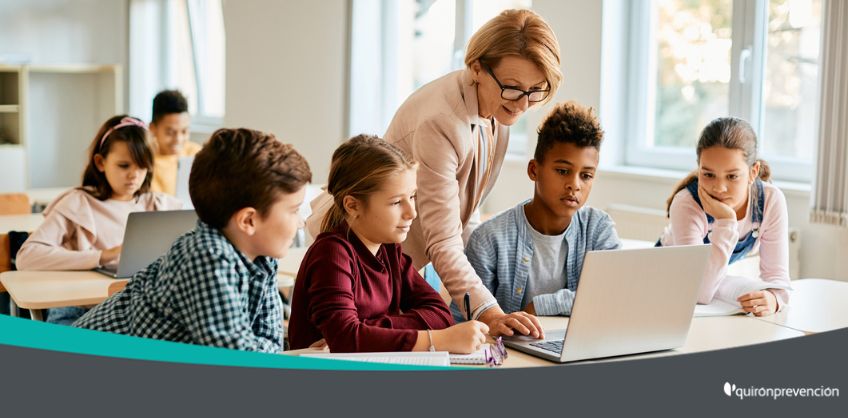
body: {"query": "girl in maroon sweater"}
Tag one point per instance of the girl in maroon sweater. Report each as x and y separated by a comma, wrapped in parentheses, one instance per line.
(356, 289)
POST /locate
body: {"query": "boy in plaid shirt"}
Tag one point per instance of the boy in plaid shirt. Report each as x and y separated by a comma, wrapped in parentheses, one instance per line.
(217, 285)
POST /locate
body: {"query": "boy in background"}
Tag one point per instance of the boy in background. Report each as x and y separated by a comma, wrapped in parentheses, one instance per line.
(171, 128)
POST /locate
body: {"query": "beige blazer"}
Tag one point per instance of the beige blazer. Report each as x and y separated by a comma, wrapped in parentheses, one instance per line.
(437, 125)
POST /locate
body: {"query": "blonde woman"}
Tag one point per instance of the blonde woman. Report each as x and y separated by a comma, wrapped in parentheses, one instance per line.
(457, 127)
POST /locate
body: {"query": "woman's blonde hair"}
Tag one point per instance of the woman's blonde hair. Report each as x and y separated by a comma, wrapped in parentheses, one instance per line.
(522, 33)
(359, 167)
(726, 132)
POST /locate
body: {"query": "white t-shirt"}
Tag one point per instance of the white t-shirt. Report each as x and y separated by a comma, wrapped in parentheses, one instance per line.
(547, 268)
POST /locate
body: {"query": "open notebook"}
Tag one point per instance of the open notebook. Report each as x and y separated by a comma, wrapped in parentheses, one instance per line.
(418, 358)
(724, 303)
(426, 358)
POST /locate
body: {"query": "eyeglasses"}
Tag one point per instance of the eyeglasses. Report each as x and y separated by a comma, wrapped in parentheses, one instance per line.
(495, 353)
(513, 93)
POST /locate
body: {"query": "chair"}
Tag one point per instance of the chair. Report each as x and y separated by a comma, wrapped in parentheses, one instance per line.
(14, 204)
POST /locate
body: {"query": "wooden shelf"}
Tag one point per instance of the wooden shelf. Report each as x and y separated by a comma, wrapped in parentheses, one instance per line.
(9, 108)
(73, 68)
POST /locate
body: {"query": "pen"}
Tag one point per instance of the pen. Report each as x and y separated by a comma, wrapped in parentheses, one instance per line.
(468, 305)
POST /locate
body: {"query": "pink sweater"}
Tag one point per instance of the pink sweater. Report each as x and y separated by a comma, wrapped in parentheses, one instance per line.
(78, 227)
(689, 226)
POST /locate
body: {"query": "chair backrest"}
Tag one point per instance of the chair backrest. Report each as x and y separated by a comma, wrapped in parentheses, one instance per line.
(14, 204)
(116, 287)
(5, 253)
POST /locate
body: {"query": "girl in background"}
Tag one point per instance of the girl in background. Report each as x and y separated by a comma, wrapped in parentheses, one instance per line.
(84, 227)
(729, 202)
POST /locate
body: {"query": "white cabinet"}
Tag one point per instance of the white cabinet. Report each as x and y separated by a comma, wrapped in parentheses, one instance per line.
(48, 117)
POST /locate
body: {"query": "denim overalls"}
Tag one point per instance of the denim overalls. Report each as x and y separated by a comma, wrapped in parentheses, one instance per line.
(745, 244)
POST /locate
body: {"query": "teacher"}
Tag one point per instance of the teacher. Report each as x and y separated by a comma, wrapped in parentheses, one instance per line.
(457, 128)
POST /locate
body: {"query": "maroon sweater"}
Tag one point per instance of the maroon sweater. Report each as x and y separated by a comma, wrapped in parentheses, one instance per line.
(359, 302)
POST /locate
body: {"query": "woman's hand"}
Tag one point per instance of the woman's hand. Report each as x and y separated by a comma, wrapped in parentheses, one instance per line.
(714, 207)
(509, 324)
(110, 255)
(759, 303)
(463, 338)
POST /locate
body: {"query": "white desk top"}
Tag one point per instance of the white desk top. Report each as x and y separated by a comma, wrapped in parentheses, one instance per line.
(705, 334)
(52, 289)
(26, 223)
(815, 305)
(43, 196)
(290, 264)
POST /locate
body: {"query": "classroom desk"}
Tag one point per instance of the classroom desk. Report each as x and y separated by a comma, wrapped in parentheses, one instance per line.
(290, 264)
(43, 196)
(815, 305)
(287, 269)
(710, 333)
(39, 290)
(28, 223)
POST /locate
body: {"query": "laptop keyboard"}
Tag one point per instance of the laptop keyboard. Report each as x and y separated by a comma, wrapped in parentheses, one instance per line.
(553, 346)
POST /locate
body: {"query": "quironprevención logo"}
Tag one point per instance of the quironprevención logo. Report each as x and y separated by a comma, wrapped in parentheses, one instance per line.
(731, 390)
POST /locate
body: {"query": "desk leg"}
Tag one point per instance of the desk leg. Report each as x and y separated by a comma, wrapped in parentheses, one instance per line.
(13, 308)
(37, 314)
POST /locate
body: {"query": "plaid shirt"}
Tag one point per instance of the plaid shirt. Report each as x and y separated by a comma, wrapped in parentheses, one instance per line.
(203, 291)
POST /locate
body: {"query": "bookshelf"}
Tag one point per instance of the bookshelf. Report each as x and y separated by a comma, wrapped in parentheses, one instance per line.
(48, 116)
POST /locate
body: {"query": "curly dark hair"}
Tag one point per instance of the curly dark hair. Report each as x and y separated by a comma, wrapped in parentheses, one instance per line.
(239, 168)
(569, 122)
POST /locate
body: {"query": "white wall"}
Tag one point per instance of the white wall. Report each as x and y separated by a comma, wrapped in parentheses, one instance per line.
(66, 31)
(62, 32)
(286, 66)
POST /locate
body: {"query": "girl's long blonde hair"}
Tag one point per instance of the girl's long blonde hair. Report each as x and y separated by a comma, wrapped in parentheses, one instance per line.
(359, 167)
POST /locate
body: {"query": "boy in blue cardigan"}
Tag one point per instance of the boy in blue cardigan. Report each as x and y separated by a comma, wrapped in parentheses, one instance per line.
(530, 256)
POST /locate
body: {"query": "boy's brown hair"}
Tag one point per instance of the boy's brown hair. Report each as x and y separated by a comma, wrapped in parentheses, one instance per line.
(239, 168)
(572, 123)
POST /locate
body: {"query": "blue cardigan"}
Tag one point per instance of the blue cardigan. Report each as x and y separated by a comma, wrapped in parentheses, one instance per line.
(500, 250)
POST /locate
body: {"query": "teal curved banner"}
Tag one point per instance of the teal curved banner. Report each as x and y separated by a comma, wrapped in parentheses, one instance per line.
(34, 334)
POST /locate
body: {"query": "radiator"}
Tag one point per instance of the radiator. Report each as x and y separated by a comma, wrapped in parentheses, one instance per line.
(646, 224)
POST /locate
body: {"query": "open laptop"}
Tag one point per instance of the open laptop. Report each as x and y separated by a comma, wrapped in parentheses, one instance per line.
(183, 172)
(148, 236)
(627, 302)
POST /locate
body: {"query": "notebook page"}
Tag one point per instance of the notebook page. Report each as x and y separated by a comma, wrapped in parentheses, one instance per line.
(477, 357)
(724, 302)
(425, 358)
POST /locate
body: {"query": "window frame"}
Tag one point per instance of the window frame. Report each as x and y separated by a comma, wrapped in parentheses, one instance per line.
(745, 92)
(370, 115)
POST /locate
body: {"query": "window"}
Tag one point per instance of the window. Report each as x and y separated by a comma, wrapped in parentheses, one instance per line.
(398, 46)
(693, 61)
(178, 44)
